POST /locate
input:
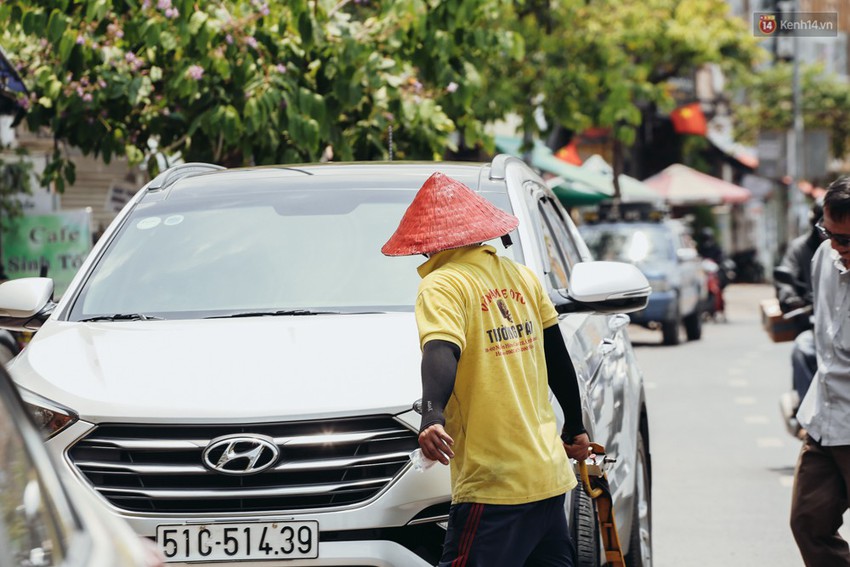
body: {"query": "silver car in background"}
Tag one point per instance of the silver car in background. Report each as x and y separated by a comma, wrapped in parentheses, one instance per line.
(45, 520)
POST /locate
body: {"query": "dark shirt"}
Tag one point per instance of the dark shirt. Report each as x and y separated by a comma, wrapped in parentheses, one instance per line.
(798, 259)
(711, 250)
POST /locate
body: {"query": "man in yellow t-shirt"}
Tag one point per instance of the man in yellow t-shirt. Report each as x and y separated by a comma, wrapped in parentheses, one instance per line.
(491, 349)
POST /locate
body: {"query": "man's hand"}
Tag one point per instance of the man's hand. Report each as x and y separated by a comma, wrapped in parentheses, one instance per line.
(579, 449)
(436, 443)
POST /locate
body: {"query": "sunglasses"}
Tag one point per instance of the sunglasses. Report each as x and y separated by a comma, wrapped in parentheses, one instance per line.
(842, 240)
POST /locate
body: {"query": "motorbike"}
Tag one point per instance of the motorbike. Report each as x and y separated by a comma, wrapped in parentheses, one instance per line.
(714, 307)
(718, 277)
(803, 322)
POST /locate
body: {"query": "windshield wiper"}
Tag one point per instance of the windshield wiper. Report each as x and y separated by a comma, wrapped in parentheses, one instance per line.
(122, 317)
(274, 313)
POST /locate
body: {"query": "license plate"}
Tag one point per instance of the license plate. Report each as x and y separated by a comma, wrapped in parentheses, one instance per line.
(239, 542)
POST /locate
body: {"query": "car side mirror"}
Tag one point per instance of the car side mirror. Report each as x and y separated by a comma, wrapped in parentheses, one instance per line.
(603, 287)
(25, 303)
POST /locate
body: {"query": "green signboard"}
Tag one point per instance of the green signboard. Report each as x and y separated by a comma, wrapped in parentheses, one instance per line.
(59, 242)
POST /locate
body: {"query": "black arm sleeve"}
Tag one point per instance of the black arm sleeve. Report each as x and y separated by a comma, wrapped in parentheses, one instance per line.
(439, 366)
(563, 381)
(790, 295)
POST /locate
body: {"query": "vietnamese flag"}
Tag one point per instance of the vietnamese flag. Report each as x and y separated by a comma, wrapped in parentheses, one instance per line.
(689, 119)
(569, 153)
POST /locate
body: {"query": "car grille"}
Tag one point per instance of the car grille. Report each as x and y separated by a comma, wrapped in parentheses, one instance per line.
(322, 464)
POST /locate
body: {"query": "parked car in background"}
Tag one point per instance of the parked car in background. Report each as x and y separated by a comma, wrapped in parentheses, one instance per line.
(667, 255)
(45, 520)
(235, 368)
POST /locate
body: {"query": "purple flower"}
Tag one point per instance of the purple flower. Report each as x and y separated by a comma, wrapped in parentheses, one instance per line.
(172, 13)
(115, 30)
(196, 72)
(80, 40)
(135, 62)
(251, 41)
(87, 97)
(163, 4)
(280, 67)
(229, 39)
(451, 87)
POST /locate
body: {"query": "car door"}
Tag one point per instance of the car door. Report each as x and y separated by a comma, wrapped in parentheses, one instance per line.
(595, 342)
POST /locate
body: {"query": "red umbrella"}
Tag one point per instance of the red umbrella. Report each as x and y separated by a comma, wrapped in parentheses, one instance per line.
(682, 185)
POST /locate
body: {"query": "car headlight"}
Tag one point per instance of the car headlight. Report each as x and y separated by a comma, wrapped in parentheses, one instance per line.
(50, 418)
(659, 284)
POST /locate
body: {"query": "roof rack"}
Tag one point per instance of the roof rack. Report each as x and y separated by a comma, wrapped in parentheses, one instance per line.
(499, 165)
(172, 174)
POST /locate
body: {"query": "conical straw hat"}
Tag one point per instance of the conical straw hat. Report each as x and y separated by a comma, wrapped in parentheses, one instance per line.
(446, 214)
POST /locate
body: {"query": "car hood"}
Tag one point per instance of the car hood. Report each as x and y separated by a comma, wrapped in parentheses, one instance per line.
(226, 369)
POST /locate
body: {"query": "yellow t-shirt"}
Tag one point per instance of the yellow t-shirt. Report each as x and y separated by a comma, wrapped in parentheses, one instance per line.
(506, 441)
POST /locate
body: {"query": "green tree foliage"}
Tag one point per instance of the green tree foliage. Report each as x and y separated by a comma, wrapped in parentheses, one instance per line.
(603, 62)
(257, 82)
(243, 82)
(15, 176)
(770, 104)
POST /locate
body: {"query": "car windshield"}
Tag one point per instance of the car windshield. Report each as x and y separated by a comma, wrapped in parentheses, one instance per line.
(274, 252)
(635, 243)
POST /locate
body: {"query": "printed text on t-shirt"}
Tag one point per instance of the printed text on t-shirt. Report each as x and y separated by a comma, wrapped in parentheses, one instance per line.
(505, 293)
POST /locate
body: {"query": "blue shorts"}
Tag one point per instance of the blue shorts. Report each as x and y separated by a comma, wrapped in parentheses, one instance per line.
(517, 535)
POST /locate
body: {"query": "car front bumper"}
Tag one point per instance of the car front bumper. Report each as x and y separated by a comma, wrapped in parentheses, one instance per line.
(377, 553)
(402, 526)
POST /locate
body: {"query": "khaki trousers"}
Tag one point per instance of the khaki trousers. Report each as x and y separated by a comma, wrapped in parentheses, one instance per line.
(818, 502)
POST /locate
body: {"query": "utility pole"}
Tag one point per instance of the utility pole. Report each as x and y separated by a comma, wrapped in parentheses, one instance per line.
(795, 139)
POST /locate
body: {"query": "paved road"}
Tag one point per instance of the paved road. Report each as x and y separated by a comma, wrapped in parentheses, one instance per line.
(723, 463)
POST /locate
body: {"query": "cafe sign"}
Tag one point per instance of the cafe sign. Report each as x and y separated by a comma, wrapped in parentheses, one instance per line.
(57, 243)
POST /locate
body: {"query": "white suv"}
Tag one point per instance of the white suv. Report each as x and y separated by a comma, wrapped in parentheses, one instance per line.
(234, 369)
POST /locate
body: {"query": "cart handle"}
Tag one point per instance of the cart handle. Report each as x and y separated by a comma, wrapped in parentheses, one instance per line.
(596, 449)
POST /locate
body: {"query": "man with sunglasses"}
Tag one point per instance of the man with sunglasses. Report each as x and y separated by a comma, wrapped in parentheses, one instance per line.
(821, 480)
